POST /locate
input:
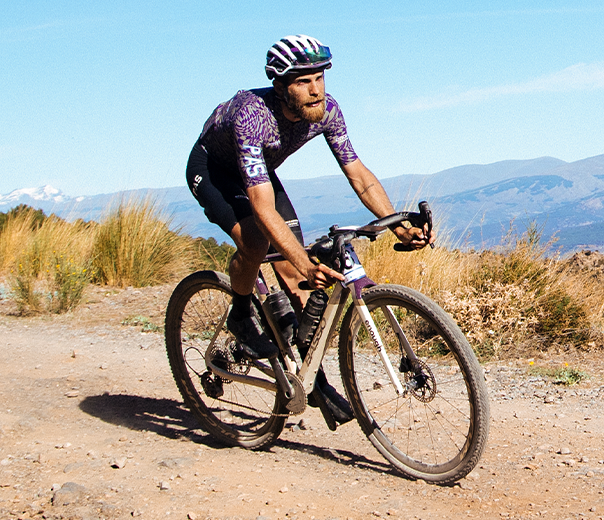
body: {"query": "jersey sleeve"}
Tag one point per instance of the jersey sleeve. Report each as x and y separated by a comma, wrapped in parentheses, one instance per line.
(250, 129)
(336, 134)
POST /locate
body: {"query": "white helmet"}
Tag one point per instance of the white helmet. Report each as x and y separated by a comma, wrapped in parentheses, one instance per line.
(298, 53)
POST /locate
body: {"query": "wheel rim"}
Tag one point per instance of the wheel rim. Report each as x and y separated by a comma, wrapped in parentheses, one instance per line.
(429, 428)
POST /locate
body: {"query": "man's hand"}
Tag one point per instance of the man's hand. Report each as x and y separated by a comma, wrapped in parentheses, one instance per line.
(415, 237)
(320, 276)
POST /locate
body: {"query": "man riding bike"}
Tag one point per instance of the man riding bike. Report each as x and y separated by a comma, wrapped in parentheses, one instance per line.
(231, 172)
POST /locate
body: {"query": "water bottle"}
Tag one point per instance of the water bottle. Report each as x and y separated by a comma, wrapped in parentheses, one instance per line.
(311, 316)
(283, 312)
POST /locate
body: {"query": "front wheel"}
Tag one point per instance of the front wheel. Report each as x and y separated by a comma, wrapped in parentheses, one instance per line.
(437, 429)
(235, 413)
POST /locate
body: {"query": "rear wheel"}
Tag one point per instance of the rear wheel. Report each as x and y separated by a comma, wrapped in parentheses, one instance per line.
(235, 413)
(438, 428)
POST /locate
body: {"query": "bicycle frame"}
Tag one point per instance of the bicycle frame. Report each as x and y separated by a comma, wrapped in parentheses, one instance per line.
(355, 280)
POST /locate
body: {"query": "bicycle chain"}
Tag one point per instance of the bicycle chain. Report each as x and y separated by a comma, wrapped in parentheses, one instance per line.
(264, 412)
(301, 407)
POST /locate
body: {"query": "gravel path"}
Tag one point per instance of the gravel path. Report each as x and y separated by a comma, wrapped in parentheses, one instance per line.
(92, 426)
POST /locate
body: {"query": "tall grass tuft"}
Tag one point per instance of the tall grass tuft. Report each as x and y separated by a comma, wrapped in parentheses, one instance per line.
(134, 246)
(22, 281)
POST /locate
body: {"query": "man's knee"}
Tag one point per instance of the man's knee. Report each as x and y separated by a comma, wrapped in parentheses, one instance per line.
(251, 244)
(253, 253)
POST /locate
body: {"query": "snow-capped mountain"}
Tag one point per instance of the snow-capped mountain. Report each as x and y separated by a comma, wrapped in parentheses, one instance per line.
(27, 195)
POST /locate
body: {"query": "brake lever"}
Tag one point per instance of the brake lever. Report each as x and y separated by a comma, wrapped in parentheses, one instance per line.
(418, 220)
(426, 212)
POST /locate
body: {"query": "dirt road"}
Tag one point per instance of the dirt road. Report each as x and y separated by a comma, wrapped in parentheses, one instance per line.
(91, 426)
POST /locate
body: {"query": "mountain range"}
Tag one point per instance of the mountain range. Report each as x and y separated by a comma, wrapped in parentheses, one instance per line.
(474, 205)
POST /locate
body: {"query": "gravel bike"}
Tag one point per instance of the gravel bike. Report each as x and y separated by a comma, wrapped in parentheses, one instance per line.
(413, 381)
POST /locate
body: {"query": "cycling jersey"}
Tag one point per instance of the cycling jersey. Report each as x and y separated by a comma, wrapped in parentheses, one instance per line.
(250, 136)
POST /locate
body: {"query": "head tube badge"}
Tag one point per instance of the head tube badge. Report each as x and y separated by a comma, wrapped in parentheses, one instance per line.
(353, 270)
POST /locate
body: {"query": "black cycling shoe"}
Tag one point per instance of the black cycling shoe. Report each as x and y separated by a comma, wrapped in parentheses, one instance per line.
(254, 341)
(338, 405)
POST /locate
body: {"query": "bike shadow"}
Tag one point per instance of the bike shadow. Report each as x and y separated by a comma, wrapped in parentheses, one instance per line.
(165, 417)
(171, 419)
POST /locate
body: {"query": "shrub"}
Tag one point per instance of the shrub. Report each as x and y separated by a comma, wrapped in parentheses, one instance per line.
(513, 299)
(36, 216)
(209, 255)
(69, 280)
(562, 376)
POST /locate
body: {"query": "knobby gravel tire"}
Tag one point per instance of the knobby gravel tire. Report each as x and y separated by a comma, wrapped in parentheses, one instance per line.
(243, 415)
(438, 431)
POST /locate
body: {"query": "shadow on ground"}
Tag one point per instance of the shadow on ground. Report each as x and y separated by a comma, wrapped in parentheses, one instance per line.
(170, 419)
(165, 417)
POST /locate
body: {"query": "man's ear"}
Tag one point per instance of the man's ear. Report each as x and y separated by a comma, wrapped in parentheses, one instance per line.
(279, 87)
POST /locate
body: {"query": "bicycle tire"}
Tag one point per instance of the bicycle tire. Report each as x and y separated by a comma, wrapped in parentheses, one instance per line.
(436, 432)
(243, 415)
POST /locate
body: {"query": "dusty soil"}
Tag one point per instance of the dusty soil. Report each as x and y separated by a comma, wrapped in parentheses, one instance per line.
(92, 426)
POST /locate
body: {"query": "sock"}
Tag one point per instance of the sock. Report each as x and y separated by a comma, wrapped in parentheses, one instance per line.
(242, 306)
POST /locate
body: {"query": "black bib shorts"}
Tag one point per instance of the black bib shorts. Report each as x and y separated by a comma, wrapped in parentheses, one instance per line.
(223, 196)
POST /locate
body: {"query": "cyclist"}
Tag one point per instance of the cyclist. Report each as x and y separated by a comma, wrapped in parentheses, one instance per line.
(231, 172)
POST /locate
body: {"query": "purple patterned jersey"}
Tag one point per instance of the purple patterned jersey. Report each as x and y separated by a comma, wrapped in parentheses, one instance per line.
(249, 135)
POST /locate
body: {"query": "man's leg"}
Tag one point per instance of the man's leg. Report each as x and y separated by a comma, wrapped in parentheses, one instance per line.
(251, 250)
(289, 278)
(225, 203)
(243, 271)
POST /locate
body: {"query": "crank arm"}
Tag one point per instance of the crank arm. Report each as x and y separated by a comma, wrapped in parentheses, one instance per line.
(277, 372)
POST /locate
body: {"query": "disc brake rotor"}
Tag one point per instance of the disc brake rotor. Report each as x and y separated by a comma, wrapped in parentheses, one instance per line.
(420, 382)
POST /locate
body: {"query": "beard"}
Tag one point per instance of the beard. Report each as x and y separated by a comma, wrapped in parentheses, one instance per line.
(299, 107)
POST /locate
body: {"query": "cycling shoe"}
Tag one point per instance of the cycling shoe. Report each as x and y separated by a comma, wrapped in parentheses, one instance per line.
(254, 341)
(338, 405)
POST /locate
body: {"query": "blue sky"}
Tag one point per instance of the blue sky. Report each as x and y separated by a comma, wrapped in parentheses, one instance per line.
(97, 97)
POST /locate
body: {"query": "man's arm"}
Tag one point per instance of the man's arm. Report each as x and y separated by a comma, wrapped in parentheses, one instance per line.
(372, 194)
(262, 200)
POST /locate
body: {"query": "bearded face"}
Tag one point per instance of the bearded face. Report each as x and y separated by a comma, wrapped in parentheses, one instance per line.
(307, 108)
(303, 97)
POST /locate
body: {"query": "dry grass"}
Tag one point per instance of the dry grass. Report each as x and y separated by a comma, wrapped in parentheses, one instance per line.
(510, 302)
(47, 262)
(134, 246)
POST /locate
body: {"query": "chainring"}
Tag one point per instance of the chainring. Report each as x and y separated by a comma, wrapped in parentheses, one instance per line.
(297, 404)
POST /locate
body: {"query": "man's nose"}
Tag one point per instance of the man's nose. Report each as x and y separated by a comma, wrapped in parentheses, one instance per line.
(314, 89)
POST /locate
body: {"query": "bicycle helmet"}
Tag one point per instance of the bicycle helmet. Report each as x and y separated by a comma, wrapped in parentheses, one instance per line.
(298, 53)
